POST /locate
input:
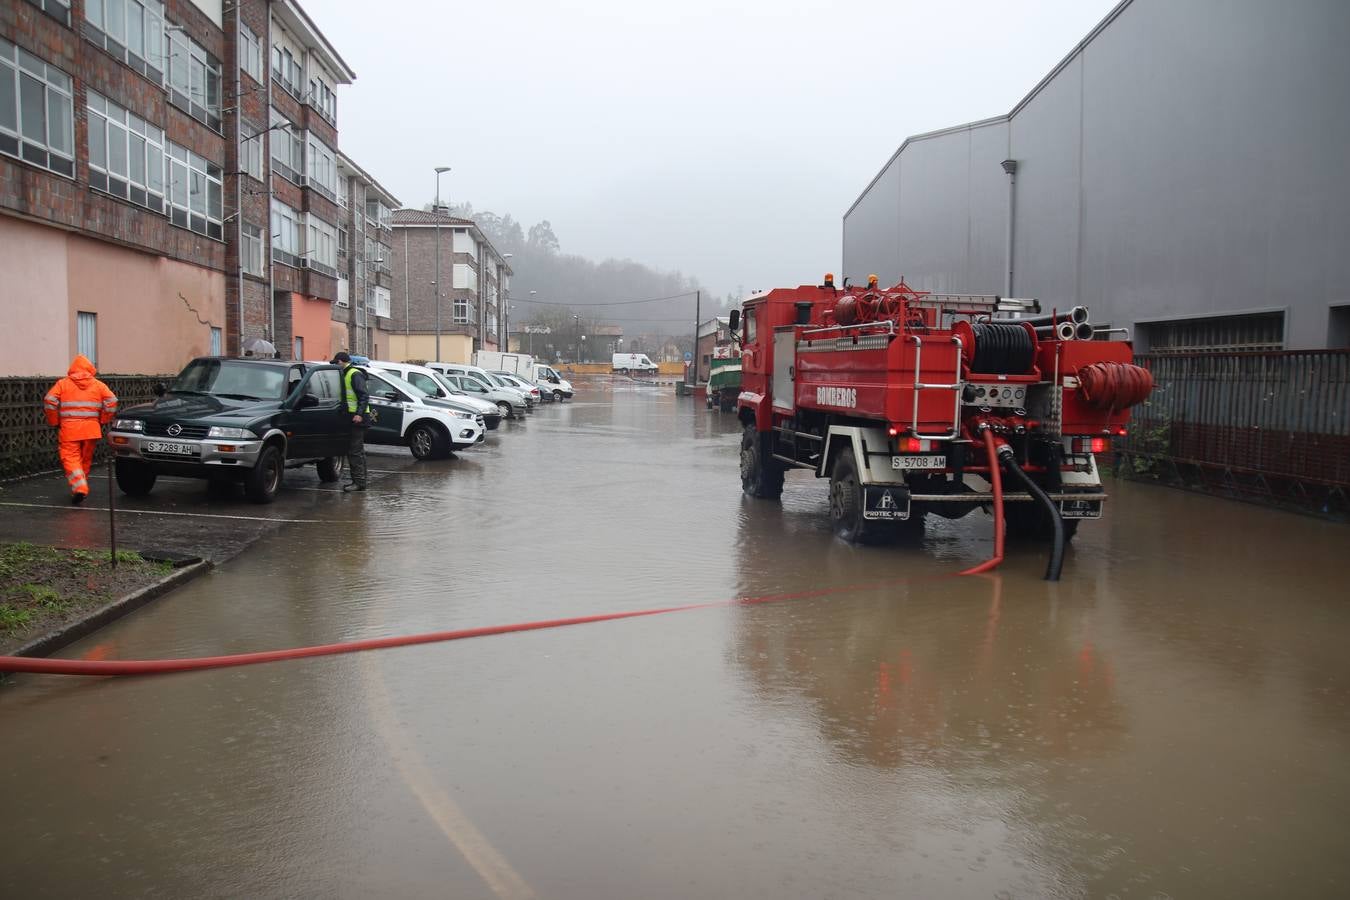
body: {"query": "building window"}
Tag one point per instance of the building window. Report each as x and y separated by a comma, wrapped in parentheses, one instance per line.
(251, 255)
(342, 240)
(381, 304)
(299, 348)
(217, 342)
(379, 214)
(126, 154)
(131, 30)
(288, 149)
(322, 246)
(1217, 334)
(322, 169)
(250, 150)
(287, 234)
(464, 312)
(57, 9)
(194, 78)
(86, 335)
(287, 69)
(37, 112)
(194, 192)
(250, 53)
(322, 98)
(344, 291)
(464, 277)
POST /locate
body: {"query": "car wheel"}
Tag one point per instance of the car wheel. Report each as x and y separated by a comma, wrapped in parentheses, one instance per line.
(506, 409)
(264, 479)
(136, 479)
(331, 469)
(557, 396)
(428, 442)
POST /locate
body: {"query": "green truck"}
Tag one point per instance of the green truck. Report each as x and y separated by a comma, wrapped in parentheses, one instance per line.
(724, 384)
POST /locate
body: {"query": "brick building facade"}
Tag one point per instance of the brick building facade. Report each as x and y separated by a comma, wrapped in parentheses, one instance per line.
(169, 182)
(476, 279)
(362, 313)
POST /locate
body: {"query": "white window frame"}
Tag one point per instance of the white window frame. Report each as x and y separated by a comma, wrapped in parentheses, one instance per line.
(86, 335)
(251, 150)
(217, 341)
(321, 167)
(113, 128)
(321, 96)
(199, 178)
(250, 53)
(144, 18)
(55, 151)
(382, 301)
(194, 77)
(287, 235)
(251, 250)
(344, 291)
(321, 243)
(287, 148)
(464, 277)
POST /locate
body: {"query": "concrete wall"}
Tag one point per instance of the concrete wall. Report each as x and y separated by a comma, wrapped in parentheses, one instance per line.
(455, 348)
(1187, 160)
(143, 324)
(35, 336)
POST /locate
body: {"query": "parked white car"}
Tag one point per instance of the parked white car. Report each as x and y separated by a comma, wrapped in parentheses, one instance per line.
(516, 381)
(510, 401)
(431, 383)
(403, 417)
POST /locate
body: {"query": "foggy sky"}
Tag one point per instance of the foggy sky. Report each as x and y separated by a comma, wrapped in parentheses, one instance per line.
(725, 140)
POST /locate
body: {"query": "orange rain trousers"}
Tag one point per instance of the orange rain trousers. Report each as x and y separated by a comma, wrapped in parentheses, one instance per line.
(76, 458)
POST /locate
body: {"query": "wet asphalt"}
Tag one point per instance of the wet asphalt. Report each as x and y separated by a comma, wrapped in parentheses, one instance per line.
(1171, 719)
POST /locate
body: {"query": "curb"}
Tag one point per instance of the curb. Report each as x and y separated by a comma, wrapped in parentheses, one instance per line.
(71, 632)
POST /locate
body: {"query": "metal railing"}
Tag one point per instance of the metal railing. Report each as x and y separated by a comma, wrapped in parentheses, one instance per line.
(1258, 416)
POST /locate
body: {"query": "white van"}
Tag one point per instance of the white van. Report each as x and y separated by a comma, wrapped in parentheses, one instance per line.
(549, 380)
(633, 362)
(513, 402)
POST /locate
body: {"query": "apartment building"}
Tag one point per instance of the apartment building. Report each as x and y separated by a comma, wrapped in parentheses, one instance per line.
(475, 284)
(362, 317)
(168, 181)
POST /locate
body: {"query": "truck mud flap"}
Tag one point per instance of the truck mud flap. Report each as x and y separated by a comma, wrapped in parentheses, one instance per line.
(886, 503)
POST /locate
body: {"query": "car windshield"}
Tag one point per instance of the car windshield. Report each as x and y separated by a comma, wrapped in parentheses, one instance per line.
(232, 378)
(499, 380)
(446, 383)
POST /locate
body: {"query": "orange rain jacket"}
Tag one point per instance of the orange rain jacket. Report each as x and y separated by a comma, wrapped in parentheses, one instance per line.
(80, 403)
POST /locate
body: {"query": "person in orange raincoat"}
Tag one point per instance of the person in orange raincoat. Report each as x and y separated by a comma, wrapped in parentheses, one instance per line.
(80, 405)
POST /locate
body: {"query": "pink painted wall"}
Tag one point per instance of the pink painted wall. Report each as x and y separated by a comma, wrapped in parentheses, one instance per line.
(34, 320)
(311, 319)
(144, 325)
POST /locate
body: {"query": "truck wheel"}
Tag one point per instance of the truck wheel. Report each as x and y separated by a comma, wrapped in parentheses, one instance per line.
(623, 371)
(331, 469)
(761, 474)
(557, 396)
(1029, 522)
(428, 442)
(846, 506)
(135, 478)
(264, 479)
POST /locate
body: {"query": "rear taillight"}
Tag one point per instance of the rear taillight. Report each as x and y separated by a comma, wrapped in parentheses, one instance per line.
(1090, 444)
(913, 445)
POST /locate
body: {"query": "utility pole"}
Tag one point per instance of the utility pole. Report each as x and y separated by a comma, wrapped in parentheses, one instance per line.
(440, 170)
(698, 306)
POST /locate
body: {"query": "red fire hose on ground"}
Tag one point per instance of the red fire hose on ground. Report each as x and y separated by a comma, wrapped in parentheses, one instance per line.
(124, 667)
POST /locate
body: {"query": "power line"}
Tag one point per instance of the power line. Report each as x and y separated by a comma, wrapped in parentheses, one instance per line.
(606, 303)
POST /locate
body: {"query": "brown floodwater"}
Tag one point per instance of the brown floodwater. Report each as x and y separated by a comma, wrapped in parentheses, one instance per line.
(1172, 719)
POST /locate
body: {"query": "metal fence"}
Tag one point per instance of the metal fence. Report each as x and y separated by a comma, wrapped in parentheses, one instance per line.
(1256, 423)
(27, 442)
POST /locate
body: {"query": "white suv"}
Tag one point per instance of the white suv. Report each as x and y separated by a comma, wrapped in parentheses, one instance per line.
(474, 382)
(440, 390)
(402, 417)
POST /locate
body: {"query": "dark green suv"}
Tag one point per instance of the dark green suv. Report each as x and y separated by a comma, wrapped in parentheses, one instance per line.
(235, 420)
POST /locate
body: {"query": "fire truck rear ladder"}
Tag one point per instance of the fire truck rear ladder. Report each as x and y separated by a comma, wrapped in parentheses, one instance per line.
(955, 387)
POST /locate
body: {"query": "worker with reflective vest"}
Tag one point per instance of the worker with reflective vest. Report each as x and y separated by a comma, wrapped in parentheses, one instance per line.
(79, 405)
(357, 402)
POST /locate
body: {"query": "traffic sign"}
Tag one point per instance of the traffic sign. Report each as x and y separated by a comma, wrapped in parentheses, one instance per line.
(688, 357)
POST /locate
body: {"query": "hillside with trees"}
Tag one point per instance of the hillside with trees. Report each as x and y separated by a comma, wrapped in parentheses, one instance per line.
(571, 295)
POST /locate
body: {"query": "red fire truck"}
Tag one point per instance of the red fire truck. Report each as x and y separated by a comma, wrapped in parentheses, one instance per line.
(914, 404)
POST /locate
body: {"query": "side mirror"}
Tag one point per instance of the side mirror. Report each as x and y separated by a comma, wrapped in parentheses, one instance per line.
(159, 389)
(440, 393)
(307, 401)
(734, 322)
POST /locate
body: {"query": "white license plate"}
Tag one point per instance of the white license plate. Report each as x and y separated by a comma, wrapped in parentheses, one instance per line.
(919, 462)
(175, 449)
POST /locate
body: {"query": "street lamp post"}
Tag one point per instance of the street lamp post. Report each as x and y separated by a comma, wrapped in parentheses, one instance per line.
(440, 170)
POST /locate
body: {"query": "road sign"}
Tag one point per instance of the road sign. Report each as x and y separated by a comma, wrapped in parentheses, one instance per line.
(688, 357)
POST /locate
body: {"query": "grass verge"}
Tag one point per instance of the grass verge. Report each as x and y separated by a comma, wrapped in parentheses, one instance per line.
(43, 588)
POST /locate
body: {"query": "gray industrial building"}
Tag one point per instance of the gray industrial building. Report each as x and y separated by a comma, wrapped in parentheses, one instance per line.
(1184, 172)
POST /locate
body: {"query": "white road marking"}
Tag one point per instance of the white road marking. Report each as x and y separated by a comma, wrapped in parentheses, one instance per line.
(163, 512)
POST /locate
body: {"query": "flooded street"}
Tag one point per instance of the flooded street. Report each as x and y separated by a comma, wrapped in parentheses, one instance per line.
(1171, 719)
